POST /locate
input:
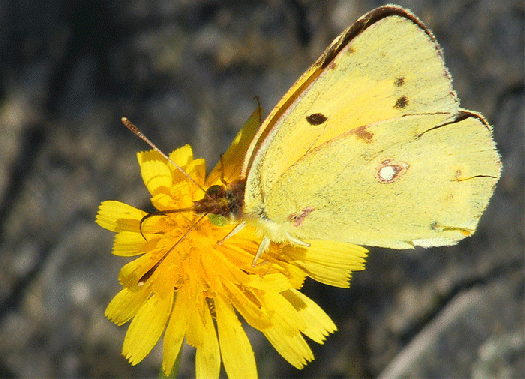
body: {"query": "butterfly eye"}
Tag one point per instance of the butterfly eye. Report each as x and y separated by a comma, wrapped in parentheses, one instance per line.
(215, 192)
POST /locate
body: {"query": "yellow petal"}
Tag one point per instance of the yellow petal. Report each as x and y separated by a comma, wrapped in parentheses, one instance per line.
(128, 244)
(318, 324)
(182, 156)
(197, 170)
(233, 158)
(249, 306)
(118, 217)
(125, 305)
(155, 172)
(204, 337)
(331, 262)
(162, 201)
(174, 335)
(236, 350)
(284, 314)
(293, 348)
(285, 334)
(131, 273)
(270, 282)
(146, 328)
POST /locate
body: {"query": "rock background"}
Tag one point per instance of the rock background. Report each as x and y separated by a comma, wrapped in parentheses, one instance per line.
(187, 72)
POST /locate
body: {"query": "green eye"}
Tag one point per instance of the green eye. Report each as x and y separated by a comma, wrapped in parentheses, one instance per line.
(217, 220)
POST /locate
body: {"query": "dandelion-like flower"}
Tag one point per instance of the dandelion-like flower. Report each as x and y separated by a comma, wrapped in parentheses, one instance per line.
(189, 282)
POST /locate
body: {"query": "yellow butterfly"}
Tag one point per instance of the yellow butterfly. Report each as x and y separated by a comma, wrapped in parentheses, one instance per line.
(368, 147)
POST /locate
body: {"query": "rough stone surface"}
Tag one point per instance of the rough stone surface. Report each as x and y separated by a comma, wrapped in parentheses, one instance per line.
(187, 72)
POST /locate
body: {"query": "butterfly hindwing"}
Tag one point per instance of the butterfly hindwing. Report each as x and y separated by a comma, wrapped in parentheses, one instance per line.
(392, 193)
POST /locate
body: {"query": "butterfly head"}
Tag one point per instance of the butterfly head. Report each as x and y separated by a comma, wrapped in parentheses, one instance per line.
(222, 202)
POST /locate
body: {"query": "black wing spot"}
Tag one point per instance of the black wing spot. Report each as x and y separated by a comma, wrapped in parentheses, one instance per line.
(316, 119)
(401, 102)
(399, 81)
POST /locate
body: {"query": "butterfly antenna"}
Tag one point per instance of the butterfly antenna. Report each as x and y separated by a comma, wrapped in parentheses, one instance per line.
(160, 213)
(128, 124)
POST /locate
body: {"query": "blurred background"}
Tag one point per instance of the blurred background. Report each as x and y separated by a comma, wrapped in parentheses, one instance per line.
(188, 72)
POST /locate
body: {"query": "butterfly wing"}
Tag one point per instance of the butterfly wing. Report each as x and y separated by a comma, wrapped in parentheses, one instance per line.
(427, 187)
(380, 85)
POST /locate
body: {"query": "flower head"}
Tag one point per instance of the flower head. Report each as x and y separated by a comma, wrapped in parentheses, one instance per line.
(190, 281)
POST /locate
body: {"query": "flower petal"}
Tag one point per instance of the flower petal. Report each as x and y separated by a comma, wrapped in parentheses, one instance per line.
(155, 172)
(182, 156)
(146, 328)
(197, 170)
(318, 324)
(285, 333)
(233, 158)
(131, 273)
(118, 217)
(236, 350)
(270, 282)
(202, 335)
(330, 262)
(249, 305)
(174, 334)
(125, 305)
(128, 244)
(293, 347)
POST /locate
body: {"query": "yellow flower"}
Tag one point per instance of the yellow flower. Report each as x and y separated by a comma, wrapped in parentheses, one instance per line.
(190, 282)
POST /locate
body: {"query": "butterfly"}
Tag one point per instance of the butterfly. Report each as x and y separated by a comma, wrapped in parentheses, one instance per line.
(368, 147)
